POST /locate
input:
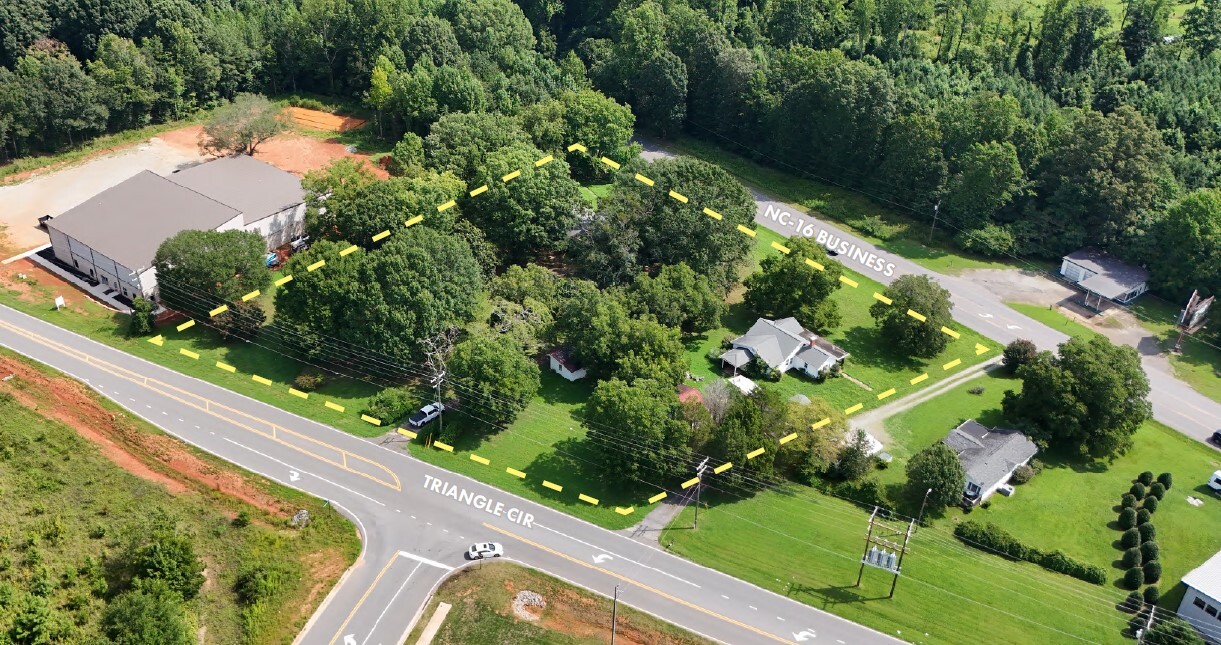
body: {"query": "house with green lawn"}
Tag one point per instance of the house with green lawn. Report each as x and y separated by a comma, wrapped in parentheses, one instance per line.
(783, 345)
(989, 457)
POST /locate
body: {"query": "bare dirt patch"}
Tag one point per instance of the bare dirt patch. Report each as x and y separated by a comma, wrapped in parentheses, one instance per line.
(317, 120)
(324, 566)
(70, 403)
(39, 283)
(300, 154)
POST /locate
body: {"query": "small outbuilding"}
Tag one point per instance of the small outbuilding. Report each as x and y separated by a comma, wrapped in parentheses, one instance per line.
(989, 457)
(1201, 604)
(565, 365)
(687, 393)
(1102, 276)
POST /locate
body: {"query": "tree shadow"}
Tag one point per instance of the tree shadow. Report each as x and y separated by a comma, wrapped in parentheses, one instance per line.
(870, 349)
(556, 390)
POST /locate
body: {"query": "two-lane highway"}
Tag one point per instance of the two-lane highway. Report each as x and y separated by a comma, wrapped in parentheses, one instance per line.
(416, 520)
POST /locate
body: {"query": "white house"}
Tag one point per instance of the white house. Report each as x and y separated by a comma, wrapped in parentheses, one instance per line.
(989, 457)
(1201, 604)
(783, 345)
(1102, 276)
(565, 365)
(113, 236)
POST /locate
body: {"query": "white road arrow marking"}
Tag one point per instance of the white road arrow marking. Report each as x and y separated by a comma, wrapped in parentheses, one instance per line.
(985, 315)
(804, 635)
(601, 557)
(293, 475)
(350, 639)
(1012, 327)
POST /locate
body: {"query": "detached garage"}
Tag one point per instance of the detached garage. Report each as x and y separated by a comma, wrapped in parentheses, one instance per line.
(1102, 276)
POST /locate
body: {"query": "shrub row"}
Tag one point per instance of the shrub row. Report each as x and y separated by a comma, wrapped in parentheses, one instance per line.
(990, 536)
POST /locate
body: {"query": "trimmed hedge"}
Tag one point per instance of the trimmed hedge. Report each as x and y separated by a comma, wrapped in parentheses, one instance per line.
(1153, 571)
(1150, 504)
(1132, 558)
(1145, 478)
(1127, 518)
(1165, 479)
(1127, 501)
(1152, 594)
(1147, 532)
(1133, 578)
(991, 537)
(1143, 515)
(1157, 490)
(1149, 551)
(1130, 538)
(1133, 602)
(1137, 490)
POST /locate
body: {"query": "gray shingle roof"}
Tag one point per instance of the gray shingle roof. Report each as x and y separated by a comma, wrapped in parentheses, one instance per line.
(988, 455)
(128, 221)
(814, 355)
(254, 188)
(1113, 279)
(736, 357)
(773, 341)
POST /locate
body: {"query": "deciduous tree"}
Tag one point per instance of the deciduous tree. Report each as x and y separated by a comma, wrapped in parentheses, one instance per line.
(493, 376)
(240, 126)
(677, 297)
(198, 270)
(914, 337)
(151, 613)
(637, 430)
(787, 285)
(936, 467)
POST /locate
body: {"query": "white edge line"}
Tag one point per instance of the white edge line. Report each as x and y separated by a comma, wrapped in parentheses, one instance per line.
(421, 560)
(301, 470)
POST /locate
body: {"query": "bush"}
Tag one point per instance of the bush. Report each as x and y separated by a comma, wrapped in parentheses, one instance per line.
(990, 240)
(1165, 479)
(1133, 578)
(141, 321)
(1145, 478)
(1157, 490)
(1036, 466)
(1127, 518)
(1128, 500)
(260, 582)
(309, 380)
(1138, 622)
(1153, 571)
(1152, 594)
(977, 390)
(242, 520)
(391, 404)
(1150, 504)
(1022, 475)
(170, 558)
(1137, 490)
(1132, 603)
(991, 537)
(1149, 551)
(1147, 532)
(1143, 516)
(1018, 353)
(1132, 558)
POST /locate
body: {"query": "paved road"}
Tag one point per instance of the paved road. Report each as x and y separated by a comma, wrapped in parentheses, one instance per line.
(975, 307)
(416, 520)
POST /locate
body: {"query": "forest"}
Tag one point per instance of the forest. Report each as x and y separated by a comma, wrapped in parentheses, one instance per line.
(1030, 130)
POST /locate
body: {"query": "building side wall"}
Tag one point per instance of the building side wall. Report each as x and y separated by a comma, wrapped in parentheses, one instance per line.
(93, 263)
(234, 223)
(281, 228)
(1209, 625)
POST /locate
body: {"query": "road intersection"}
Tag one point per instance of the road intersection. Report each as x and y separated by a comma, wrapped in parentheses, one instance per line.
(415, 519)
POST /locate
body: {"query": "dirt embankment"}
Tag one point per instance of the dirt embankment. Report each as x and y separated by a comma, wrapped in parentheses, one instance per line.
(157, 458)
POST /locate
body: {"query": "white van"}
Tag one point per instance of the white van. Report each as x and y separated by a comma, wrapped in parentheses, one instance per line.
(1215, 482)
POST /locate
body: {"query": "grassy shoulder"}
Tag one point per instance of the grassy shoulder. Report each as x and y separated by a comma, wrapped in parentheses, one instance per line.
(481, 600)
(1052, 317)
(1199, 364)
(1081, 500)
(80, 506)
(910, 232)
(872, 361)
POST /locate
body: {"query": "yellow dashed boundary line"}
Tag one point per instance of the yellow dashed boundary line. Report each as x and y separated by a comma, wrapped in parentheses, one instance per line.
(188, 353)
(755, 453)
(219, 310)
(334, 406)
(251, 295)
(368, 419)
(516, 473)
(186, 325)
(283, 281)
(555, 487)
(413, 221)
(443, 446)
(481, 460)
(691, 482)
(381, 236)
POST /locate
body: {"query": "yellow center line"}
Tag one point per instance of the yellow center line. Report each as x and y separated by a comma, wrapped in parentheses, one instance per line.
(610, 162)
(381, 236)
(918, 379)
(251, 295)
(882, 299)
(691, 482)
(481, 460)
(186, 325)
(848, 281)
(364, 597)
(348, 251)
(282, 281)
(480, 190)
(711, 213)
(657, 498)
(315, 266)
(511, 176)
(516, 473)
(587, 499)
(221, 309)
(544, 161)
(413, 221)
(644, 180)
(555, 487)
(645, 587)
(854, 408)
(755, 453)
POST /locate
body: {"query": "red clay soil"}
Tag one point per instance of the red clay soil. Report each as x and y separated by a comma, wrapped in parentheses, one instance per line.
(73, 296)
(316, 120)
(72, 404)
(290, 151)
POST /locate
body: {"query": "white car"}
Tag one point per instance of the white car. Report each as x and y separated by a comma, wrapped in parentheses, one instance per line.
(481, 550)
(425, 415)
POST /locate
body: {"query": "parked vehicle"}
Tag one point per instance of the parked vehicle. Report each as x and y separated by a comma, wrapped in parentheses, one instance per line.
(272, 260)
(483, 550)
(1215, 482)
(1216, 438)
(300, 244)
(425, 415)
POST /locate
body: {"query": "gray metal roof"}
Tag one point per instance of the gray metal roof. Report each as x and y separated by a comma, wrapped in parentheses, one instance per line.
(988, 455)
(1206, 578)
(127, 222)
(256, 189)
(1113, 279)
(736, 357)
(814, 355)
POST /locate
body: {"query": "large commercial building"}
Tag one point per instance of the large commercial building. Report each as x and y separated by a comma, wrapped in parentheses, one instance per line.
(113, 236)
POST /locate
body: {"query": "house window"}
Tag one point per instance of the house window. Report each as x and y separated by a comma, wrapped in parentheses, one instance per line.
(75, 263)
(1198, 603)
(1210, 610)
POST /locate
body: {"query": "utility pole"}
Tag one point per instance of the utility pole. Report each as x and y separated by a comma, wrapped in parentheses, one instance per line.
(436, 351)
(614, 614)
(890, 556)
(699, 474)
(936, 210)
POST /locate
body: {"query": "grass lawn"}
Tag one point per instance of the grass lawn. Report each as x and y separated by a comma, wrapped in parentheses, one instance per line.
(1052, 317)
(594, 192)
(809, 548)
(1080, 499)
(76, 505)
(844, 206)
(481, 597)
(1200, 363)
(546, 442)
(870, 362)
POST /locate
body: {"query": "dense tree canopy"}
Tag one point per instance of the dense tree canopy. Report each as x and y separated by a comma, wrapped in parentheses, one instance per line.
(915, 337)
(1089, 400)
(637, 430)
(492, 377)
(936, 467)
(198, 270)
(677, 297)
(787, 285)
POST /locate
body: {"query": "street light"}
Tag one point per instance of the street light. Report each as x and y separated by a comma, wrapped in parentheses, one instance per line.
(920, 519)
